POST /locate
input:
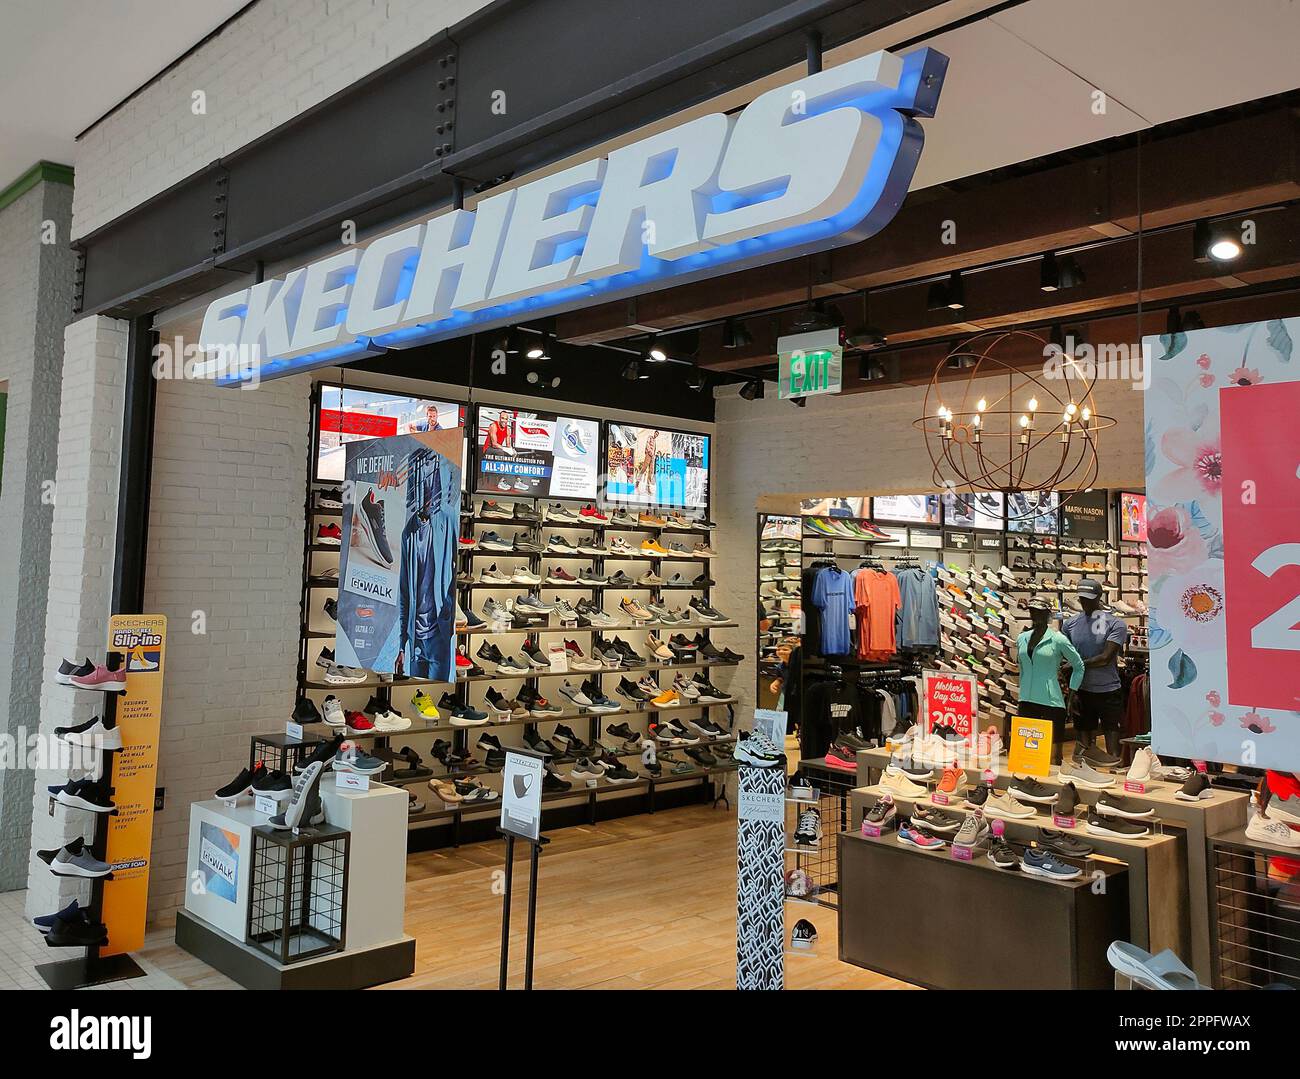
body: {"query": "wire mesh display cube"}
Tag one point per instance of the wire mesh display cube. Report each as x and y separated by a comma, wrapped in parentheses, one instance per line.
(821, 862)
(1256, 902)
(281, 753)
(298, 897)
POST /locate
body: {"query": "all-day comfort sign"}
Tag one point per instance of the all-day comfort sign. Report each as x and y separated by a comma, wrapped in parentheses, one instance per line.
(820, 162)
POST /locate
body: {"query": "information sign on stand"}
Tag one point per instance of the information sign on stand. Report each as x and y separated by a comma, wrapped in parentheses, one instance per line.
(771, 723)
(1030, 753)
(521, 795)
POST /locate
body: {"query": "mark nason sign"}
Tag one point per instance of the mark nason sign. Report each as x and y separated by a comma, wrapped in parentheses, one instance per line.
(820, 162)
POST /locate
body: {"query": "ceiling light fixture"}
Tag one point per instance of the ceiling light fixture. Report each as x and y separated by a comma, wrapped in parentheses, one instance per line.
(654, 353)
(696, 380)
(1215, 241)
(800, 402)
(541, 348)
(949, 294)
(864, 337)
(1058, 273)
(734, 334)
(632, 370)
(752, 391)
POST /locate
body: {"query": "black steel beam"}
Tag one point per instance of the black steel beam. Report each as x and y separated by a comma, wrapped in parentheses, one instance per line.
(512, 87)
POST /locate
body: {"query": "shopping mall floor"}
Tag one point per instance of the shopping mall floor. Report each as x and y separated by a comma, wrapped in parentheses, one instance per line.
(638, 903)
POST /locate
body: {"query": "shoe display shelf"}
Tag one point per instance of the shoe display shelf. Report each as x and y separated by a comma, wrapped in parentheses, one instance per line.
(281, 752)
(831, 788)
(1170, 883)
(1003, 928)
(317, 630)
(1255, 900)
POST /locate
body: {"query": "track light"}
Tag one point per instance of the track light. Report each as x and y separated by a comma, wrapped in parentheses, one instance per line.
(1215, 241)
(734, 334)
(947, 295)
(865, 337)
(800, 402)
(696, 380)
(752, 391)
(632, 370)
(1058, 273)
(654, 353)
(1193, 321)
(541, 348)
(960, 361)
(872, 370)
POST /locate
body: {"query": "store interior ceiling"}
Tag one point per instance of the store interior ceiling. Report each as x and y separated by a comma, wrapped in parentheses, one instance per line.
(1197, 123)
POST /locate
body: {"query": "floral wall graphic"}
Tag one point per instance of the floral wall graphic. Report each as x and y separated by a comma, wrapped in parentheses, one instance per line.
(1223, 538)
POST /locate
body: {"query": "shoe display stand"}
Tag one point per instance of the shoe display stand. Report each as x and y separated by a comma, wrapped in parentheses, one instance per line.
(1170, 886)
(299, 892)
(1001, 929)
(1256, 912)
(281, 752)
(834, 788)
(760, 878)
(215, 922)
(585, 802)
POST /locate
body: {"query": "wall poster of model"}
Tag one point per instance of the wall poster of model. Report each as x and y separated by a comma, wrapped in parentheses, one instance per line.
(651, 467)
(401, 519)
(531, 455)
(355, 414)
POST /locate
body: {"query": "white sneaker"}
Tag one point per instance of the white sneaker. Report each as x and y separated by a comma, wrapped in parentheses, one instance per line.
(524, 576)
(343, 676)
(332, 712)
(1140, 770)
(898, 785)
(390, 721)
(1264, 829)
(1003, 804)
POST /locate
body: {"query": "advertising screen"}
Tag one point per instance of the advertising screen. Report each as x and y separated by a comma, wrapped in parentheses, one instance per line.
(1084, 515)
(1033, 511)
(533, 455)
(973, 509)
(652, 467)
(1133, 517)
(908, 509)
(354, 415)
(833, 507)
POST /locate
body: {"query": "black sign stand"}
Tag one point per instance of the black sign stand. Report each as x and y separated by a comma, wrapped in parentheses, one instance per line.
(536, 846)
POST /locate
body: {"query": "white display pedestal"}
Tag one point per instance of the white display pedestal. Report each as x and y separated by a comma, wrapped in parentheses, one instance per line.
(214, 922)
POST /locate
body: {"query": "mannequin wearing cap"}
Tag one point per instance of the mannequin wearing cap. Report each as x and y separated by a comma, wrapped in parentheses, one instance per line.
(1040, 651)
(1099, 636)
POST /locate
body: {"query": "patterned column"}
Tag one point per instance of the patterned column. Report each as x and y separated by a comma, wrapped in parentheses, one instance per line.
(760, 888)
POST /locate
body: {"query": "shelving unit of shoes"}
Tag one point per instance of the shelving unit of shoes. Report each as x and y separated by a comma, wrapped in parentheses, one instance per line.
(779, 588)
(594, 546)
(446, 737)
(1132, 594)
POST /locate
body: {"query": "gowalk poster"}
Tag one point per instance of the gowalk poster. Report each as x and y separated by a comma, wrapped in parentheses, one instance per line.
(397, 564)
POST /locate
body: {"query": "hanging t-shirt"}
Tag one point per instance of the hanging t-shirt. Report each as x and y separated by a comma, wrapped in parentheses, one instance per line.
(876, 600)
(918, 622)
(812, 617)
(833, 596)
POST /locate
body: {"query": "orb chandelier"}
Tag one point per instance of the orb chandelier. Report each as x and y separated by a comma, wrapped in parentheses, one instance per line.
(992, 424)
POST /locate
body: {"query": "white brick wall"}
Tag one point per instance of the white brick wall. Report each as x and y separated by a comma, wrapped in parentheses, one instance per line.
(225, 538)
(81, 564)
(276, 60)
(35, 304)
(843, 445)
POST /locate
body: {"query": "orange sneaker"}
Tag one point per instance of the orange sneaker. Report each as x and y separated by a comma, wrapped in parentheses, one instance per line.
(667, 699)
(653, 547)
(650, 520)
(954, 779)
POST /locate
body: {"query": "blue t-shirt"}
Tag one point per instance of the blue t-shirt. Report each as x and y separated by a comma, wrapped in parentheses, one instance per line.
(1089, 634)
(833, 596)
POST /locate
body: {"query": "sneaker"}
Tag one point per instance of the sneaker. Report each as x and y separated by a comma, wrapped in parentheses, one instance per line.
(508, 665)
(952, 782)
(1006, 805)
(1095, 756)
(809, 831)
(899, 786)
(1085, 775)
(497, 702)
(1197, 788)
(914, 836)
(462, 715)
(559, 575)
(523, 575)
(74, 860)
(1043, 863)
(882, 814)
(96, 735)
(634, 610)
(1063, 844)
(63, 676)
(492, 575)
(100, 679)
(556, 512)
(667, 699)
(630, 691)
(803, 937)
(1030, 790)
(565, 736)
(1114, 805)
(658, 649)
(567, 689)
(1003, 855)
(619, 774)
(842, 759)
(351, 759)
(1117, 827)
(583, 768)
(1068, 802)
(553, 783)
(237, 787)
(1141, 771)
(421, 702)
(330, 535)
(973, 829)
(538, 744)
(758, 750)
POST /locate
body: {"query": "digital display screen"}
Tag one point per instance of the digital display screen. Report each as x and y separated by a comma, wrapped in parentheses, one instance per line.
(907, 509)
(1133, 517)
(648, 466)
(536, 455)
(974, 509)
(1033, 511)
(350, 414)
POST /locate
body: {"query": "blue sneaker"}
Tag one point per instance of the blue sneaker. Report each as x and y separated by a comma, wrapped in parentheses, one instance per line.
(473, 621)
(71, 913)
(491, 541)
(1043, 863)
(913, 836)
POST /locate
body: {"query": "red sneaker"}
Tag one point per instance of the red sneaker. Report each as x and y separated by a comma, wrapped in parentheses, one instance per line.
(468, 541)
(358, 723)
(837, 757)
(463, 661)
(101, 678)
(592, 514)
(573, 649)
(330, 535)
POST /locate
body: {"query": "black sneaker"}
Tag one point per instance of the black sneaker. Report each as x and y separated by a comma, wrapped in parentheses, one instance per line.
(1196, 788)
(621, 580)
(374, 705)
(728, 656)
(708, 650)
(702, 757)
(803, 937)
(978, 796)
(623, 731)
(1030, 790)
(553, 783)
(536, 743)
(617, 773)
(1115, 805)
(489, 653)
(630, 691)
(237, 787)
(305, 712)
(1116, 827)
(1003, 855)
(573, 745)
(81, 933)
(703, 581)
(331, 608)
(1060, 843)
(630, 657)
(1067, 803)
(1096, 756)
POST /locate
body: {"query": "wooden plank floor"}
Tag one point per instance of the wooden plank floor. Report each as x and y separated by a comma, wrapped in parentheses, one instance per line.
(644, 902)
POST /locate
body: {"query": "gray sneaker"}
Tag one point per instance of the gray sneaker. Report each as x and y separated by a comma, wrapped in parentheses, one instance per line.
(529, 602)
(1084, 774)
(972, 830)
(80, 864)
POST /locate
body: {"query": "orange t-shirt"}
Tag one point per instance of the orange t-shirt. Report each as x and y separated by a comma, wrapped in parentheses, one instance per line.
(877, 602)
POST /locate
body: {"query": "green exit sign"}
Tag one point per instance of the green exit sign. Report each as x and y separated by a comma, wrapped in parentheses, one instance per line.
(809, 364)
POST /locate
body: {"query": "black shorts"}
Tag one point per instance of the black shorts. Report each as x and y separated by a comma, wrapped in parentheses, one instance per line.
(1031, 710)
(1104, 710)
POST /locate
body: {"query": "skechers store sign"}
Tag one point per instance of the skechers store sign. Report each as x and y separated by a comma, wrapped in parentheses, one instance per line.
(821, 162)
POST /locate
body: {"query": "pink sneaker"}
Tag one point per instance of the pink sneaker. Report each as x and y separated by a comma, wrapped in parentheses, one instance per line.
(101, 678)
